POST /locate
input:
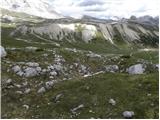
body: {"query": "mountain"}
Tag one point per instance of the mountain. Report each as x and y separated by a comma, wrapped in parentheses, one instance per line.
(39, 8)
(124, 31)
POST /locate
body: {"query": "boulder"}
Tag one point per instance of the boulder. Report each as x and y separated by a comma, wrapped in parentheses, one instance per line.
(128, 114)
(3, 53)
(136, 69)
(30, 72)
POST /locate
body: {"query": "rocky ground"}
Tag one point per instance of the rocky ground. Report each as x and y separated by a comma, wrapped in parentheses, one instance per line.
(73, 83)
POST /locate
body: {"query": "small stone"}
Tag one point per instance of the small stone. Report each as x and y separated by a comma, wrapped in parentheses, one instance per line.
(49, 84)
(26, 106)
(9, 81)
(128, 114)
(17, 85)
(41, 90)
(16, 68)
(27, 90)
(91, 111)
(76, 108)
(111, 68)
(112, 102)
(19, 92)
(20, 73)
(58, 97)
(152, 104)
(38, 69)
(25, 83)
(51, 77)
(32, 64)
(53, 73)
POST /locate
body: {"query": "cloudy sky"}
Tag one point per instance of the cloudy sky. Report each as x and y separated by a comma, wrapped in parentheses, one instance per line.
(106, 8)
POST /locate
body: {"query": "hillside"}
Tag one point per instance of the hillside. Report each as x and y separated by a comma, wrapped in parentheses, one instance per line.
(79, 68)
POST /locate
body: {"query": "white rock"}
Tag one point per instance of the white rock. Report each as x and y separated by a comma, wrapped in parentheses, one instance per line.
(38, 69)
(58, 97)
(111, 68)
(16, 68)
(19, 92)
(41, 90)
(32, 64)
(30, 72)
(58, 67)
(51, 77)
(17, 85)
(25, 83)
(128, 114)
(49, 84)
(9, 81)
(44, 70)
(31, 48)
(76, 108)
(157, 65)
(93, 55)
(27, 90)
(20, 73)
(112, 101)
(3, 53)
(26, 106)
(53, 73)
(136, 69)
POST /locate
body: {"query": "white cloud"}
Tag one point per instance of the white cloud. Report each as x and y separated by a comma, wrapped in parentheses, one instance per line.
(106, 8)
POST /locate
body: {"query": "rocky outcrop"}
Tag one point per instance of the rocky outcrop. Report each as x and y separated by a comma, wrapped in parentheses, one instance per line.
(126, 31)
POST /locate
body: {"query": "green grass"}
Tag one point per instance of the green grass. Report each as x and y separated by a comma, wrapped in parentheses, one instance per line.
(94, 93)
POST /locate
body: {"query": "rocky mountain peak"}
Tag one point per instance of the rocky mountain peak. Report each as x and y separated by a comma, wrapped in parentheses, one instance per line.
(39, 8)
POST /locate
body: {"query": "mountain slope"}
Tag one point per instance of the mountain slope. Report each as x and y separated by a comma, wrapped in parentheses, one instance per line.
(116, 32)
(78, 68)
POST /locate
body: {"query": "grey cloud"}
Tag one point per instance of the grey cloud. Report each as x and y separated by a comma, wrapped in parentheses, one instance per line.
(96, 9)
(91, 3)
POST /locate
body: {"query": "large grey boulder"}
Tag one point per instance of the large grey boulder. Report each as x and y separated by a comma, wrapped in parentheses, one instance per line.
(30, 72)
(112, 68)
(3, 53)
(136, 69)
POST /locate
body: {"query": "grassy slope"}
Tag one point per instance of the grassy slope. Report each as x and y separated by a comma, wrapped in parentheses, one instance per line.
(129, 91)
